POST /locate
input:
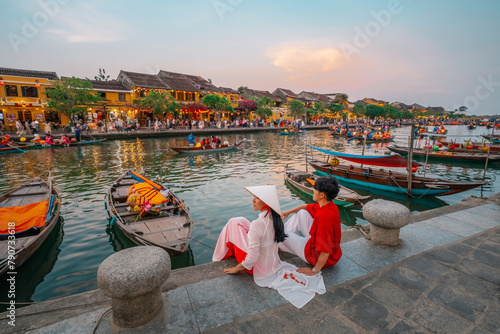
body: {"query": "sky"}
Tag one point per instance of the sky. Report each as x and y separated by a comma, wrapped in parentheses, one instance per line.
(435, 53)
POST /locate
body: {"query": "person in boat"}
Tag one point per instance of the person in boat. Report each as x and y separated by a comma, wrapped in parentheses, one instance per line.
(319, 224)
(370, 135)
(377, 135)
(202, 143)
(218, 141)
(49, 140)
(191, 140)
(64, 140)
(255, 247)
(387, 135)
(6, 139)
(36, 139)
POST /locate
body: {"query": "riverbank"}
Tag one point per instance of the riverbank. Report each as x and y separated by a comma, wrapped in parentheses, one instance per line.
(443, 277)
(145, 133)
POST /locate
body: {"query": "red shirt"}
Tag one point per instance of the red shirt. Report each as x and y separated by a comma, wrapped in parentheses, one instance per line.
(325, 234)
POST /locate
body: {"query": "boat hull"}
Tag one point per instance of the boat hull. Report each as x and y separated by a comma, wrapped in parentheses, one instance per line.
(30, 242)
(206, 149)
(449, 156)
(393, 182)
(170, 230)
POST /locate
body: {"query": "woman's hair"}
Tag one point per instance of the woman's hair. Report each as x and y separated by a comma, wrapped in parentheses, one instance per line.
(279, 227)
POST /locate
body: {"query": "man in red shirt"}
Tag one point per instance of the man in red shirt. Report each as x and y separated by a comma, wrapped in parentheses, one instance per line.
(319, 224)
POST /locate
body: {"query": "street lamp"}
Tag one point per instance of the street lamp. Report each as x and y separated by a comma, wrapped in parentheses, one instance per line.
(105, 118)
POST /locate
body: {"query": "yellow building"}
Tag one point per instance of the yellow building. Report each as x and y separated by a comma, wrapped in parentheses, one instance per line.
(117, 102)
(22, 97)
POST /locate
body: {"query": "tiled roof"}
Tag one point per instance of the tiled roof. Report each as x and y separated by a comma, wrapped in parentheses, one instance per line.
(287, 92)
(261, 93)
(311, 96)
(28, 73)
(228, 90)
(109, 85)
(202, 84)
(144, 80)
(177, 81)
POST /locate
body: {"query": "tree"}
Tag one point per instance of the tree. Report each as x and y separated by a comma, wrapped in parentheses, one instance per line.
(391, 111)
(217, 104)
(374, 111)
(242, 89)
(463, 109)
(341, 98)
(264, 107)
(297, 109)
(319, 107)
(158, 103)
(102, 75)
(71, 96)
(359, 110)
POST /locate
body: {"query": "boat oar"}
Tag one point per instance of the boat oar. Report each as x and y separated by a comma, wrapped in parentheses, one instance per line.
(17, 148)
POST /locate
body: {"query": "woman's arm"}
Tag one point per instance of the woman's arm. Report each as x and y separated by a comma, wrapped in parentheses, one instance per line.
(285, 214)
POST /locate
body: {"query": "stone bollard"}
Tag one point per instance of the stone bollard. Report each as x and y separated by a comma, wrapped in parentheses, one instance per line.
(133, 278)
(386, 218)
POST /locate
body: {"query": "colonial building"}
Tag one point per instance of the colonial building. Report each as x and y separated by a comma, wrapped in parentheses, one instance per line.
(23, 96)
(117, 101)
(310, 98)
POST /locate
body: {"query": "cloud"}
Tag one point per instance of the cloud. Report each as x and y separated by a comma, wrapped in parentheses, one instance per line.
(84, 23)
(306, 59)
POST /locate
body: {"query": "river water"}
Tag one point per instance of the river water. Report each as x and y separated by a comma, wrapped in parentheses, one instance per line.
(212, 186)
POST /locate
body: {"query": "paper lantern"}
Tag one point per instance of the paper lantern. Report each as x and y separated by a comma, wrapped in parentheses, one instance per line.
(469, 147)
(440, 145)
(198, 144)
(73, 140)
(22, 139)
(435, 148)
(334, 162)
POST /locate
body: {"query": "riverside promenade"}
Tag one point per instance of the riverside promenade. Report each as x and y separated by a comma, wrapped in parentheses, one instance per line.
(444, 277)
(149, 133)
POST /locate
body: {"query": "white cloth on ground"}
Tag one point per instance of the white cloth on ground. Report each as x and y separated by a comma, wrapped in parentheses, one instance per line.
(262, 254)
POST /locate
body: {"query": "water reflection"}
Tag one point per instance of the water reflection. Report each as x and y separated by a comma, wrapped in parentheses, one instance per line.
(212, 186)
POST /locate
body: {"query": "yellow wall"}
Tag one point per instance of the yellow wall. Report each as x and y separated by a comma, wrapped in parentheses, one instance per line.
(25, 108)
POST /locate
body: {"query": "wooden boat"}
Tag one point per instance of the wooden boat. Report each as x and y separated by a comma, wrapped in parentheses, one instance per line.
(207, 149)
(290, 133)
(35, 146)
(493, 139)
(169, 228)
(471, 126)
(12, 148)
(475, 147)
(299, 180)
(447, 156)
(387, 180)
(35, 208)
(391, 181)
(373, 140)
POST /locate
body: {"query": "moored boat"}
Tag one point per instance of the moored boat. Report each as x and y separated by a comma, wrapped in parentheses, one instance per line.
(373, 140)
(167, 225)
(207, 149)
(387, 180)
(12, 148)
(290, 133)
(439, 155)
(474, 146)
(303, 182)
(35, 146)
(34, 208)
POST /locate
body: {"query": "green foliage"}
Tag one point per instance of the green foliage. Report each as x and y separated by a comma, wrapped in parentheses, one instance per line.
(264, 107)
(297, 109)
(373, 111)
(319, 107)
(159, 103)
(71, 96)
(242, 89)
(359, 110)
(341, 98)
(102, 75)
(217, 104)
(406, 114)
(391, 111)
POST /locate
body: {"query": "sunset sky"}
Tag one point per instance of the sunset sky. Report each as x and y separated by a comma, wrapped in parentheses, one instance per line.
(435, 53)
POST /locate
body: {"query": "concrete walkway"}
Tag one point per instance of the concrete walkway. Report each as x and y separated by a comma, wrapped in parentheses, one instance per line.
(443, 278)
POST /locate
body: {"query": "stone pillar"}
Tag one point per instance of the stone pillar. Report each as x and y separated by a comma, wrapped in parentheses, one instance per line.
(133, 278)
(386, 218)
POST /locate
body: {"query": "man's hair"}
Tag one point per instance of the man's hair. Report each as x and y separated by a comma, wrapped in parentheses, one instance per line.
(327, 185)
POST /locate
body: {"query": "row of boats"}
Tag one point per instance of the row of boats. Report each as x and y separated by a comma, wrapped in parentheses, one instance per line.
(22, 147)
(35, 209)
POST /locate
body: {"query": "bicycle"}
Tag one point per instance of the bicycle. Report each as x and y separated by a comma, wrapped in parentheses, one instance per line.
(67, 129)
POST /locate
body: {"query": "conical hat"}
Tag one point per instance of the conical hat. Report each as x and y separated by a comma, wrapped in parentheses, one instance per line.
(268, 195)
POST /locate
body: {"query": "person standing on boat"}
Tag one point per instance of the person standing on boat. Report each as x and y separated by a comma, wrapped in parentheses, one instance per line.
(319, 224)
(78, 130)
(255, 247)
(191, 140)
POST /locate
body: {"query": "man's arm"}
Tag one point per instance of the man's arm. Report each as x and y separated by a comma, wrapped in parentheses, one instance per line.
(285, 214)
(323, 257)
